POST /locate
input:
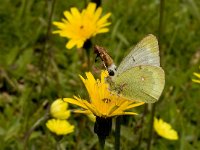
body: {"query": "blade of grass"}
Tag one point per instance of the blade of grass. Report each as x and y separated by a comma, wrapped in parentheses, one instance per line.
(160, 32)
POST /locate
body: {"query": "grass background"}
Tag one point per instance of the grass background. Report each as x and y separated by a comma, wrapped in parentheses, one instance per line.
(35, 70)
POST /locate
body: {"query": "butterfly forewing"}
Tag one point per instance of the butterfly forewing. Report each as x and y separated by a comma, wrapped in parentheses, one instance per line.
(146, 52)
(141, 83)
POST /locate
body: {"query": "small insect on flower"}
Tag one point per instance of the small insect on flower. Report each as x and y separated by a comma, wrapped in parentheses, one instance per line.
(139, 75)
(164, 129)
(81, 26)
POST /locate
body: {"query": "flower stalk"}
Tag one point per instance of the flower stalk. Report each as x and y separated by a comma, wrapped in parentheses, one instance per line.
(87, 47)
(101, 142)
(102, 128)
(117, 132)
(160, 30)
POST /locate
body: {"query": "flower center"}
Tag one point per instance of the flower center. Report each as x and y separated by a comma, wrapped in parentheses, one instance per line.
(81, 27)
(106, 100)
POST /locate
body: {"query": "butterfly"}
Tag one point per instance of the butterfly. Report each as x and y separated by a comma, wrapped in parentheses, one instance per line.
(139, 76)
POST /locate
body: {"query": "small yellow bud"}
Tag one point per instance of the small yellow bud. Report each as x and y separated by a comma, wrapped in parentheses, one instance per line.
(59, 110)
(165, 130)
(59, 127)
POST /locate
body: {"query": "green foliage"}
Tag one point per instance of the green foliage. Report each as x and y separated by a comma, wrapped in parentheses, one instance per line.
(35, 70)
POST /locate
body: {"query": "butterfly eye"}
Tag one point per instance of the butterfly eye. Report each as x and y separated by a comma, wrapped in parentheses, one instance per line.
(111, 72)
(112, 69)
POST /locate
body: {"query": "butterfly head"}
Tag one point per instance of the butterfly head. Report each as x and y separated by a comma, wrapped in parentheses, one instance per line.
(112, 69)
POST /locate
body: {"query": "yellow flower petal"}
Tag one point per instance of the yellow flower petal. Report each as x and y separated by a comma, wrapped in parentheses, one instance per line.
(79, 43)
(92, 117)
(59, 24)
(135, 105)
(91, 8)
(164, 129)
(75, 102)
(196, 81)
(104, 25)
(68, 15)
(59, 127)
(124, 113)
(97, 14)
(104, 30)
(82, 111)
(103, 19)
(75, 13)
(198, 76)
(71, 44)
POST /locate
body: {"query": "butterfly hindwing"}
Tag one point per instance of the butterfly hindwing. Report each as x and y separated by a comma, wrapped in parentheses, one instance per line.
(142, 83)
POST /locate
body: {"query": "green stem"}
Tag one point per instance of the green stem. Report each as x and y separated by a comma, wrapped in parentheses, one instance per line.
(45, 55)
(87, 46)
(117, 132)
(47, 36)
(36, 124)
(160, 26)
(58, 145)
(151, 127)
(102, 128)
(160, 31)
(101, 142)
(88, 58)
(142, 124)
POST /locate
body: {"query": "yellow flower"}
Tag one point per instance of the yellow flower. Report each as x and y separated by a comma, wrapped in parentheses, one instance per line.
(59, 127)
(80, 26)
(198, 76)
(59, 110)
(164, 129)
(102, 102)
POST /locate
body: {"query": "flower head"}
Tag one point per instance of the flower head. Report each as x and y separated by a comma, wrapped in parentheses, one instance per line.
(59, 127)
(102, 103)
(59, 110)
(80, 26)
(198, 76)
(164, 129)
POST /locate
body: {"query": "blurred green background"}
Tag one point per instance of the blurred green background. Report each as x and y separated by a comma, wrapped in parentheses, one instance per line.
(36, 69)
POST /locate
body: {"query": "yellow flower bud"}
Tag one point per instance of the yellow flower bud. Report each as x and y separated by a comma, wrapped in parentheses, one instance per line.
(59, 110)
(165, 130)
(59, 127)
